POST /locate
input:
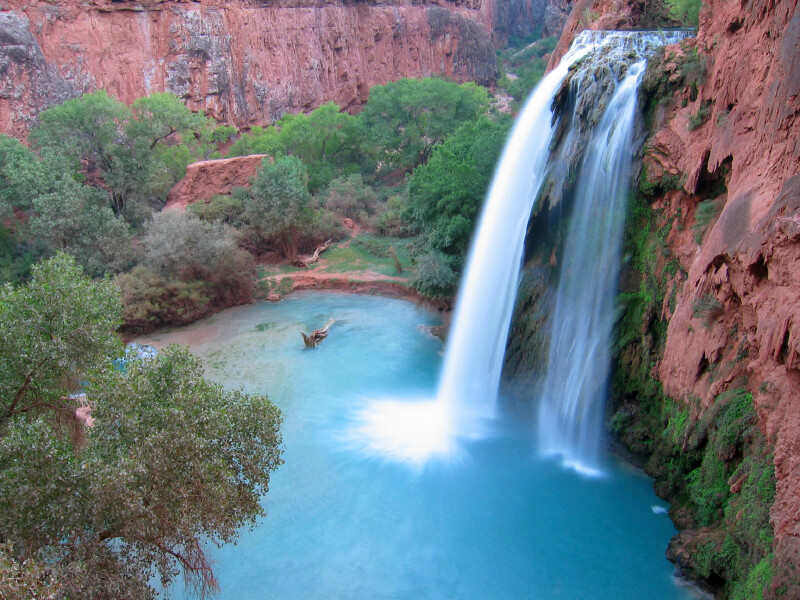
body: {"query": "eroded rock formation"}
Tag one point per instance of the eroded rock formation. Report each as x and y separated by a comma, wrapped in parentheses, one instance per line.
(242, 62)
(740, 136)
(208, 178)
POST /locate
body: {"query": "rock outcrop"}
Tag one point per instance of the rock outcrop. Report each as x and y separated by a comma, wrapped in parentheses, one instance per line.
(522, 18)
(208, 178)
(578, 15)
(242, 62)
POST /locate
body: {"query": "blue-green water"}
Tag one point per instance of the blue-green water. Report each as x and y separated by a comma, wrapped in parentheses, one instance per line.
(495, 522)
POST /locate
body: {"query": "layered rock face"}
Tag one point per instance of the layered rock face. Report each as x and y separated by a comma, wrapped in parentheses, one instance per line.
(523, 17)
(741, 131)
(573, 16)
(242, 62)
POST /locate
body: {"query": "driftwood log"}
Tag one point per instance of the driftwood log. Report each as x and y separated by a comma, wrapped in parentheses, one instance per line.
(311, 341)
(304, 263)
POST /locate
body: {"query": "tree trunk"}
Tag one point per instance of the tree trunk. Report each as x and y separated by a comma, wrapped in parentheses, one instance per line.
(311, 341)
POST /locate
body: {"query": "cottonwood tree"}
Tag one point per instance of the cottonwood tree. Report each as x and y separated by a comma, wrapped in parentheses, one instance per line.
(100, 494)
(77, 220)
(279, 207)
(447, 192)
(403, 120)
(124, 145)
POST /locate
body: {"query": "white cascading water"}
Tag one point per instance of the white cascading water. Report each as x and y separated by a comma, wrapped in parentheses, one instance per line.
(413, 432)
(575, 387)
(477, 339)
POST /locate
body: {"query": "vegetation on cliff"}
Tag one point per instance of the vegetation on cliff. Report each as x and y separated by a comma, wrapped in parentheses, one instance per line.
(714, 466)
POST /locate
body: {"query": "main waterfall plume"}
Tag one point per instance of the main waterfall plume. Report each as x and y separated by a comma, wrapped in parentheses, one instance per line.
(468, 386)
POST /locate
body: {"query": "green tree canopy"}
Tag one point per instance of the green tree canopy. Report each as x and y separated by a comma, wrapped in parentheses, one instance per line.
(279, 208)
(403, 120)
(53, 330)
(446, 194)
(326, 140)
(24, 176)
(98, 508)
(127, 146)
(78, 220)
(179, 245)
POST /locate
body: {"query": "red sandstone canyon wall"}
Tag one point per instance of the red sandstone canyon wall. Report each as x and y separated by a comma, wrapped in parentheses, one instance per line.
(242, 62)
(749, 259)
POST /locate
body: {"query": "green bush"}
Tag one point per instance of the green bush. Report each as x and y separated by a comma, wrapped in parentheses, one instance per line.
(698, 118)
(707, 210)
(392, 219)
(685, 11)
(150, 301)
(348, 196)
(434, 277)
(221, 208)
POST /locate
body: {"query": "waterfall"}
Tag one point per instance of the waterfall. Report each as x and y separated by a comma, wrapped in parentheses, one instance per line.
(477, 339)
(604, 69)
(575, 385)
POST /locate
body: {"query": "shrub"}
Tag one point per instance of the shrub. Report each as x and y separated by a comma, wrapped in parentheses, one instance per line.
(150, 301)
(189, 269)
(350, 197)
(434, 278)
(392, 221)
(708, 308)
(707, 211)
(698, 118)
(685, 11)
(221, 208)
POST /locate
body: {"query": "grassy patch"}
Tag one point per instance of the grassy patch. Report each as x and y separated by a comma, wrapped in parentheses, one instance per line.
(369, 253)
(706, 212)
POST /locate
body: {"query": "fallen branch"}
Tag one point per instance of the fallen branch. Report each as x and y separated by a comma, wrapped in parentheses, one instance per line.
(317, 335)
(303, 264)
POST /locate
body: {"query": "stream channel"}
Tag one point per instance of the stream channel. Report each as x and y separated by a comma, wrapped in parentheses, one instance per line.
(490, 520)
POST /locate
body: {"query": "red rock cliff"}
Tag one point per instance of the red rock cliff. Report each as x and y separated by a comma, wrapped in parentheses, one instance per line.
(243, 61)
(738, 136)
(749, 259)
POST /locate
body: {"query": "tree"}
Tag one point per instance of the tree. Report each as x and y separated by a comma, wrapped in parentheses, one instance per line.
(403, 120)
(126, 147)
(326, 140)
(258, 141)
(24, 176)
(161, 116)
(446, 194)
(77, 220)
(53, 330)
(21, 175)
(96, 508)
(177, 244)
(279, 208)
(350, 197)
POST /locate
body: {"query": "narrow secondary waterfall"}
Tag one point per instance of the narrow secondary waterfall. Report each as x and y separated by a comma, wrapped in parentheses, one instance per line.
(574, 391)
